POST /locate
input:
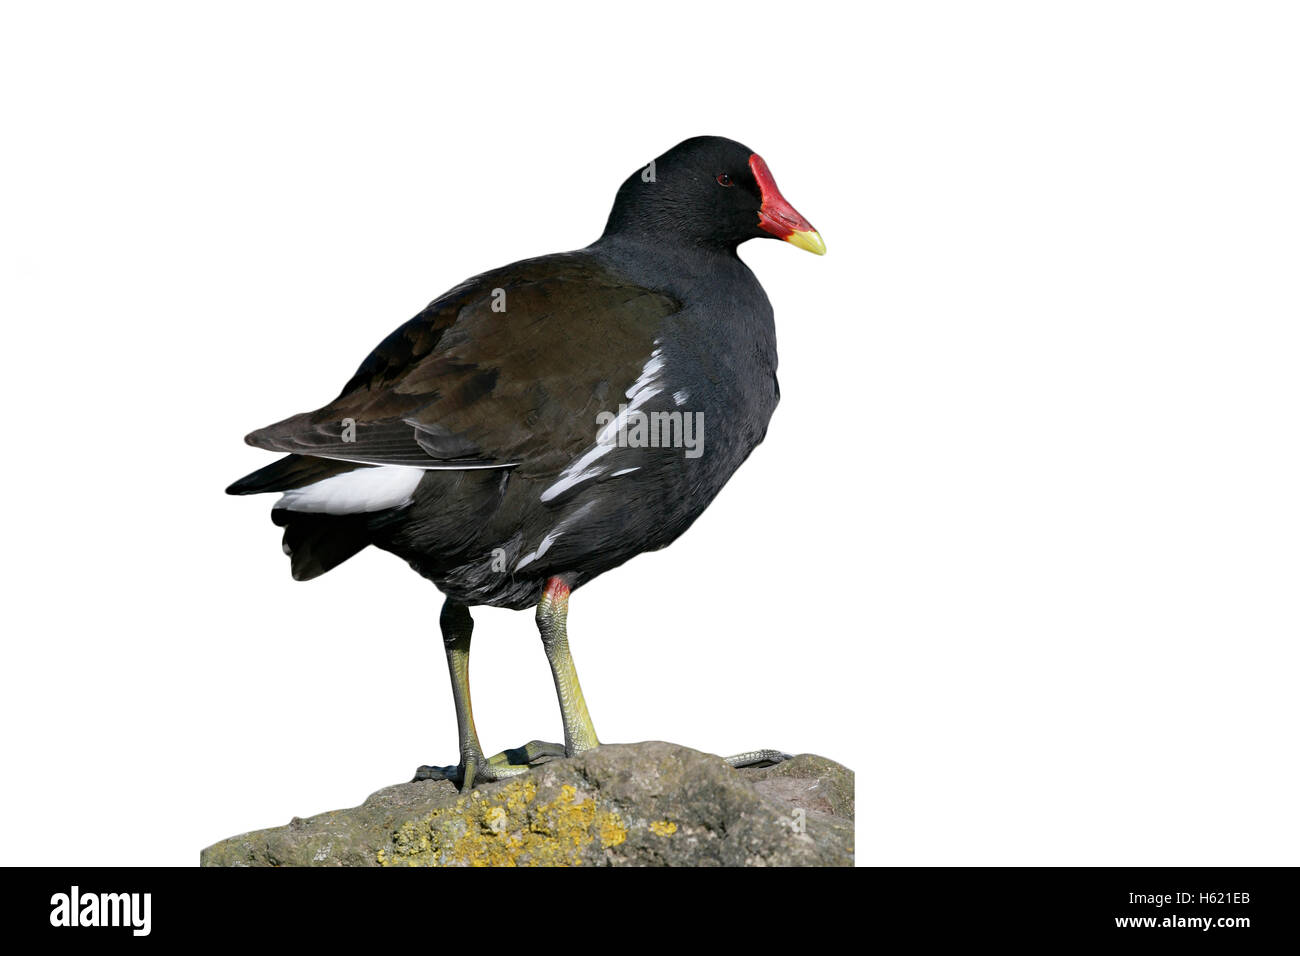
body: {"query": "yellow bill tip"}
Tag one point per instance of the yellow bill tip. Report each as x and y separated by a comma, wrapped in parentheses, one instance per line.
(809, 239)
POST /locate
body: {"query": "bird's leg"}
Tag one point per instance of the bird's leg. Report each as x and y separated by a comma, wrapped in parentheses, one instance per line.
(457, 627)
(552, 615)
(579, 732)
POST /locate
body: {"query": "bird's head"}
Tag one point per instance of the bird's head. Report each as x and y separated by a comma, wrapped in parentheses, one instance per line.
(708, 191)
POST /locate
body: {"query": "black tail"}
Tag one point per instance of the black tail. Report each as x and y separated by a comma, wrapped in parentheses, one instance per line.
(314, 542)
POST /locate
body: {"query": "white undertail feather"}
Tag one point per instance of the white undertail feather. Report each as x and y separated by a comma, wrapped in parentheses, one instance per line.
(355, 492)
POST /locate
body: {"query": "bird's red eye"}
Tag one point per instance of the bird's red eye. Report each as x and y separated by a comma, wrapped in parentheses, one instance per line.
(725, 180)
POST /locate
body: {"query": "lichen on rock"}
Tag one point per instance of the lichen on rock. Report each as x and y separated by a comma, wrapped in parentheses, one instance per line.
(507, 827)
(632, 804)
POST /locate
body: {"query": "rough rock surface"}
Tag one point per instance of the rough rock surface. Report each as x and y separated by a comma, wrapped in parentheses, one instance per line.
(651, 803)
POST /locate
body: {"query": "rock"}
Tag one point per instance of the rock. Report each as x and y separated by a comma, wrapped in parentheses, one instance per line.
(653, 803)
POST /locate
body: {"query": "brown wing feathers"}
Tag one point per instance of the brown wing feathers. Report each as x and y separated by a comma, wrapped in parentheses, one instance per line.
(463, 385)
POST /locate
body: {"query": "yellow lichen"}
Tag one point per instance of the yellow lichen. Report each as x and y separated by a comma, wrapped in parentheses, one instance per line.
(612, 831)
(663, 828)
(506, 828)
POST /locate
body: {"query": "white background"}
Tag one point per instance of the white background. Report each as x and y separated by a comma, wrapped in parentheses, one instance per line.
(1021, 546)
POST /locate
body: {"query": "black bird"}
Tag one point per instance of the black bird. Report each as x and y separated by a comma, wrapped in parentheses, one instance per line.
(544, 422)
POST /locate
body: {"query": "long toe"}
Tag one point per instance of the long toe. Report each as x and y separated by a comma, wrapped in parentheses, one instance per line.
(501, 767)
(533, 752)
(429, 772)
(757, 758)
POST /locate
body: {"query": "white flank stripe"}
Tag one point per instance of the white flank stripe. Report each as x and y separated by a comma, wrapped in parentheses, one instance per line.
(542, 548)
(549, 540)
(643, 389)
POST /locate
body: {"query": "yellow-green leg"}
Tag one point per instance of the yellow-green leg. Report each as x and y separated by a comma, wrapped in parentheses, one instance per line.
(579, 731)
(457, 627)
(552, 618)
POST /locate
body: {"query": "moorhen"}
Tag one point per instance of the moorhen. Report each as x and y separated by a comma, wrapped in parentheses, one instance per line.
(544, 422)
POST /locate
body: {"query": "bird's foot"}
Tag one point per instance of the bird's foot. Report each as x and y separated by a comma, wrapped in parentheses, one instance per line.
(474, 770)
(530, 754)
(757, 758)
